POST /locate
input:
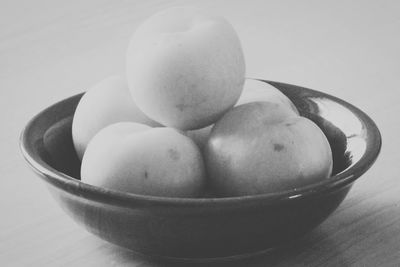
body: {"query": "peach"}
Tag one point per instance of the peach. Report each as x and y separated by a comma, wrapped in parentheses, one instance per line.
(139, 159)
(107, 102)
(258, 148)
(185, 67)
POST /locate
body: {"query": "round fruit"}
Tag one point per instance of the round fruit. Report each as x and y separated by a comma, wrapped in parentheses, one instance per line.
(105, 103)
(185, 68)
(257, 148)
(138, 159)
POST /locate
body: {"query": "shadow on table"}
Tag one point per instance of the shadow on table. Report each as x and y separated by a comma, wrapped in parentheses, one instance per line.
(304, 252)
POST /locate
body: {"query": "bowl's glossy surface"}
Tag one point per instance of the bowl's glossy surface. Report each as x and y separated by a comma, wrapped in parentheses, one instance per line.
(205, 227)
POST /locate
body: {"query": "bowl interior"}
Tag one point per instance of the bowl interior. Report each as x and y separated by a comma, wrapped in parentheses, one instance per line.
(354, 138)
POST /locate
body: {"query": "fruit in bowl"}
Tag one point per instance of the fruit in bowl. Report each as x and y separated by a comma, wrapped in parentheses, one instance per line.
(267, 165)
(185, 70)
(204, 228)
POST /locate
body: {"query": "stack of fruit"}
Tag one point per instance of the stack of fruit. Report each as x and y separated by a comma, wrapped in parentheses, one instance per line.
(186, 123)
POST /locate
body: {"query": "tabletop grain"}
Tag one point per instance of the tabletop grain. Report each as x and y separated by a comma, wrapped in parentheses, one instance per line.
(50, 50)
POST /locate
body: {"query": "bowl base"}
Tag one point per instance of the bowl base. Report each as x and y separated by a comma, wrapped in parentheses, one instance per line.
(222, 259)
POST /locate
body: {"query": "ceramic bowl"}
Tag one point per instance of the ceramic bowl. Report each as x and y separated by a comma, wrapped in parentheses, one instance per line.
(204, 228)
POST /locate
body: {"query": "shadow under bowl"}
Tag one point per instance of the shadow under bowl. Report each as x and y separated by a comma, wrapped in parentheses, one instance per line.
(204, 228)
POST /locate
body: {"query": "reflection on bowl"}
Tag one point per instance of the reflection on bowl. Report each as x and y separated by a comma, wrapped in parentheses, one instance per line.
(204, 228)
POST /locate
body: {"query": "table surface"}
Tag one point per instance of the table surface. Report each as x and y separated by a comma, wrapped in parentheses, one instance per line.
(50, 50)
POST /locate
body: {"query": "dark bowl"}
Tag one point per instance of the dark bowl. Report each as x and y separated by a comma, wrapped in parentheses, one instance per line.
(204, 228)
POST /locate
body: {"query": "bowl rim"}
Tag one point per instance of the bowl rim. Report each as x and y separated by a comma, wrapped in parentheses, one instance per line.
(126, 199)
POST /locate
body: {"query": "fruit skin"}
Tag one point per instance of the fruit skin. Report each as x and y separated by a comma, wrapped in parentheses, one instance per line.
(143, 160)
(253, 152)
(253, 91)
(256, 91)
(185, 68)
(200, 136)
(107, 102)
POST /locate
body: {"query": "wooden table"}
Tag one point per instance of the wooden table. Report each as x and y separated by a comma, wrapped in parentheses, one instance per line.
(50, 50)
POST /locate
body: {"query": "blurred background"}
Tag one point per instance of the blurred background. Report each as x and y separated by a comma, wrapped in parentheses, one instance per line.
(50, 50)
